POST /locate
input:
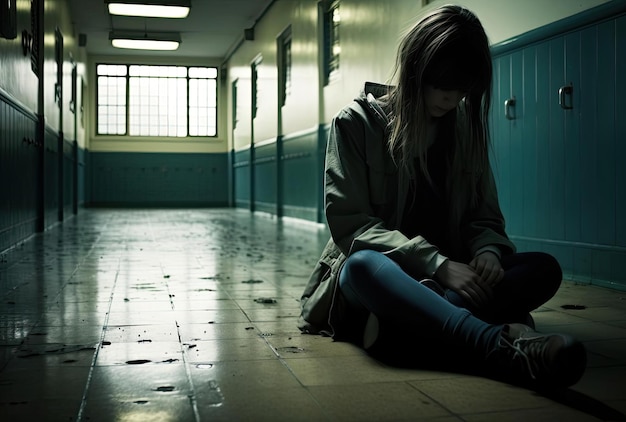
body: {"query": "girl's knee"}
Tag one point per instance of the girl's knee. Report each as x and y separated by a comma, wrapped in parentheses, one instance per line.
(549, 270)
(361, 262)
(550, 266)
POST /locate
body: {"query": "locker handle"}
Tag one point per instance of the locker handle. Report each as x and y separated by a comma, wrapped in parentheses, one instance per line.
(507, 108)
(563, 91)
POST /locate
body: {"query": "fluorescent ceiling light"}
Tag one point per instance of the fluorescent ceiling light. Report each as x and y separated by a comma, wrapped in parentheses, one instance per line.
(150, 8)
(145, 41)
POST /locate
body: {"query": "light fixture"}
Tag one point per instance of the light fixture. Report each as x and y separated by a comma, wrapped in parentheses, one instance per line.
(145, 40)
(150, 8)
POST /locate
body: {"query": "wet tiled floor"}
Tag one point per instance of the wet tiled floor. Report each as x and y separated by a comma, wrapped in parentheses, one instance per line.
(190, 315)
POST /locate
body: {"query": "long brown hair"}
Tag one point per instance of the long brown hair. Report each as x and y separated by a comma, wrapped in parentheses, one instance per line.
(447, 49)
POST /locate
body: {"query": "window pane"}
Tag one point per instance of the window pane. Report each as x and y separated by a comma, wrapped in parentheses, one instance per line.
(212, 93)
(111, 70)
(111, 96)
(332, 44)
(203, 72)
(202, 101)
(155, 100)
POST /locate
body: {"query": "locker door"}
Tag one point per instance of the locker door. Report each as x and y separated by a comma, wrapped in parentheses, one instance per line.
(501, 133)
(558, 106)
(507, 125)
(620, 134)
(571, 136)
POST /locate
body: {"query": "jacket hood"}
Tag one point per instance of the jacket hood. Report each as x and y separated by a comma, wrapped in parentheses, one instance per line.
(369, 99)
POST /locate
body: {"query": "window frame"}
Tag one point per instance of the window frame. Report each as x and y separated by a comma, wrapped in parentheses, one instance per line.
(285, 67)
(331, 40)
(188, 113)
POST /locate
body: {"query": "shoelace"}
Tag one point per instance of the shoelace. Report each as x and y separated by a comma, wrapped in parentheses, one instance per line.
(518, 344)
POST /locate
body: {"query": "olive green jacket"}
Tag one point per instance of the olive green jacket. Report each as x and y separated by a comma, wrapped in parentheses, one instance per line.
(365, 199)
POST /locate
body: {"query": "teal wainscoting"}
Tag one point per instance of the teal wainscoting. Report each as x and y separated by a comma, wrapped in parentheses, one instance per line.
(287, 176)
(81, 175)
(322, 140)
(68, 177)
(302, 173)
(559, 151)
(51, 181)
(157, 179)
(242, 192)
(265, 175)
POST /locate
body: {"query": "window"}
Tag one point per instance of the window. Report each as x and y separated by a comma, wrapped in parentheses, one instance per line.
(254, 70)
(74, 87)
(34, 39)
(233, 95)
(332, 47)
(58, 56)
(166, 101)
(284, 65)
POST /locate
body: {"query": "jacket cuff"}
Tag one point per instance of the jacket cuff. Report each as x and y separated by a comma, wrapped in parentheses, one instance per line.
(434, 264)
(489, 248)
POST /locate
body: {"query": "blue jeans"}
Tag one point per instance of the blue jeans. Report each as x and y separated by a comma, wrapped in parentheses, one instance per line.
(373, 283)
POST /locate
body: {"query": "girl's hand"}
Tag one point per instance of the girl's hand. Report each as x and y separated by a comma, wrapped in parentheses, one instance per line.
(464, 280)
(487, 266)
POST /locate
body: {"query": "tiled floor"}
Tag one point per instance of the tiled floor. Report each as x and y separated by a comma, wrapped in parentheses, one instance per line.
(189, 315)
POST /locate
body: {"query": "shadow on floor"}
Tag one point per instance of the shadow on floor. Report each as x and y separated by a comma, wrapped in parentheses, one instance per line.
(397, 353)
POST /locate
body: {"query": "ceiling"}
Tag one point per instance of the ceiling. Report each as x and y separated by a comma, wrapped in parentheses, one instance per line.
(212, 29)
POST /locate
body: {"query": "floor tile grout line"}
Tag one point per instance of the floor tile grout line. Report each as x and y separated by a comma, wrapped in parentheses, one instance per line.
(267, 343)
(278, 356)
(192, 396)
(58, 294)
(83, 401)
(56, 297)
(265, 325)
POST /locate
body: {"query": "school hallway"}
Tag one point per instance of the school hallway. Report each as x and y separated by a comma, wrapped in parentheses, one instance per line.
(190, 315)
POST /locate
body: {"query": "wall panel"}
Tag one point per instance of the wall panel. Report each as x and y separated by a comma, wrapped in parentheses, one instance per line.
(51, 183)
(588, 132)
(528, 105)
(265, 177)
(620, 130)
(571, 135)
(69, 176)
(302, 175)
(158, 179)
(19, 161)
(555, 154)
(605, 135)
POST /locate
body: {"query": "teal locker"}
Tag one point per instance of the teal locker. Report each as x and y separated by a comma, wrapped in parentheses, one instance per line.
(559, 142)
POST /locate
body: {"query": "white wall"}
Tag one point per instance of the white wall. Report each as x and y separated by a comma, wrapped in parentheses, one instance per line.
(16, 78)
(504, 19)
(371, 30)
(300, 110)
(370, 33)
(19, 82)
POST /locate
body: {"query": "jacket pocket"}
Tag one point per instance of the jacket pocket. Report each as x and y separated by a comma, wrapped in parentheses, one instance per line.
(316, 308)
